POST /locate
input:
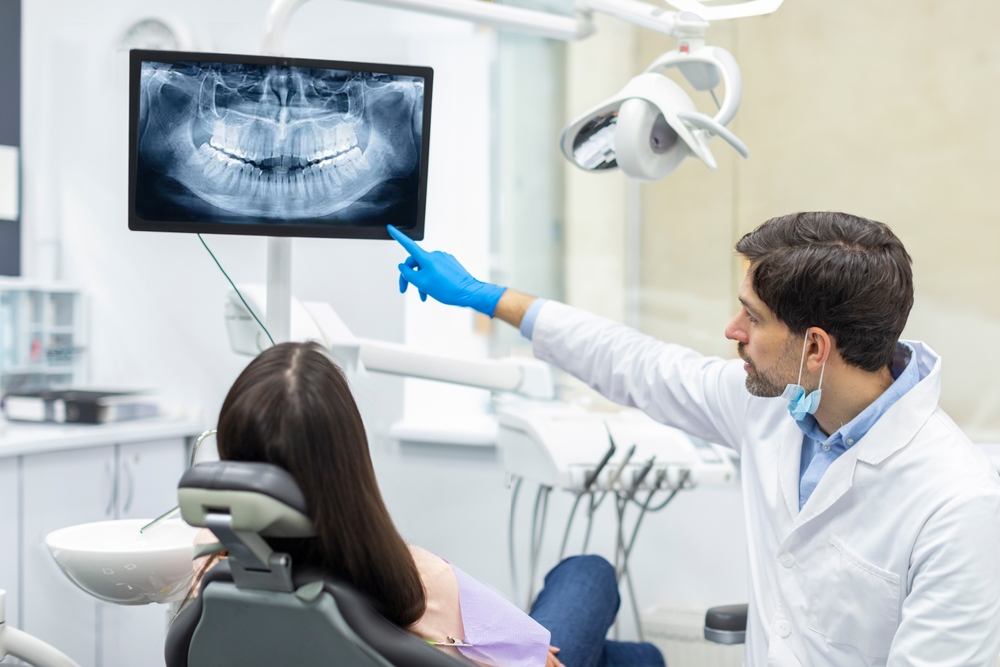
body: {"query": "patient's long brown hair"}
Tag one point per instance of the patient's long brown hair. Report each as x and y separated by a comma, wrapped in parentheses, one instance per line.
(293, 407)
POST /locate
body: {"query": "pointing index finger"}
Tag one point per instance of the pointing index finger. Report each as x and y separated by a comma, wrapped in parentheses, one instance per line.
(408, 244)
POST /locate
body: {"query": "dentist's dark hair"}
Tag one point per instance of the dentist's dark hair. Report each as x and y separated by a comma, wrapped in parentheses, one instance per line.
(292, 407)
(848, 275)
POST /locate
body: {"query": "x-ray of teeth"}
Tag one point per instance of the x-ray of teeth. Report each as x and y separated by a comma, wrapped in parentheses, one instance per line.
(246, 143)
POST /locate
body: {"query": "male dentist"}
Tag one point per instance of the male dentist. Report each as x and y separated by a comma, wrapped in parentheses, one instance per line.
(873, 522)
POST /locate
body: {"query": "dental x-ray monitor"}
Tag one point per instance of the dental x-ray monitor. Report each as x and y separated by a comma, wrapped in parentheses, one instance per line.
(273, 146)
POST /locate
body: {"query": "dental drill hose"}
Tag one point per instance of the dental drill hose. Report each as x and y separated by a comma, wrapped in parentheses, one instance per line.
(613, 478)
(622, 504)
(593, 475)
(511, 555)
(616, 475)
(626, 550)
(537, 533)
(588, 482)
(640, 478)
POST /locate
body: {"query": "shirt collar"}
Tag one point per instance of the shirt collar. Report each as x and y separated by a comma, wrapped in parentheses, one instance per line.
(906, 376)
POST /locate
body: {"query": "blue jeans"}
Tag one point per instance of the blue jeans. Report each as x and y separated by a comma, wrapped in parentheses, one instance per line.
(578, 605)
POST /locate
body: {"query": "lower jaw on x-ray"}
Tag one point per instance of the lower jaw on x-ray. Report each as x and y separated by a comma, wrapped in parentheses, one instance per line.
(245, 143)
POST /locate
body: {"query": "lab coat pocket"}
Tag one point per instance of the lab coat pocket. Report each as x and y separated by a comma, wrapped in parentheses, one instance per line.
(858, 603)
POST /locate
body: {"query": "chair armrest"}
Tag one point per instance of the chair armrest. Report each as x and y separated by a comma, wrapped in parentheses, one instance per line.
(726, 624)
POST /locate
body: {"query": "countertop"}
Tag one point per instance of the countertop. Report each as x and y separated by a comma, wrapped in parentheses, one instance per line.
(17, 438)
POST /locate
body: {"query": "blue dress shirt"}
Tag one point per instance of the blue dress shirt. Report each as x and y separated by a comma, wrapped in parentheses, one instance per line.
(530, 315)
(819, 451)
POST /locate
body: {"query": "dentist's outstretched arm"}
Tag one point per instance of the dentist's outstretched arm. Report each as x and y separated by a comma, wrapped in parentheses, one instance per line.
(439, 275)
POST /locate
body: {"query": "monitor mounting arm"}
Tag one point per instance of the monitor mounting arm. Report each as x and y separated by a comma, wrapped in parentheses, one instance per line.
(317, 321)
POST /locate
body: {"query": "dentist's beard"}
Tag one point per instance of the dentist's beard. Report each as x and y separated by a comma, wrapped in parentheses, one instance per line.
(759, 383)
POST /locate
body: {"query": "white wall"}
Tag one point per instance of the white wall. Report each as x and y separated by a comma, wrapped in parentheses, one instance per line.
(900, 130)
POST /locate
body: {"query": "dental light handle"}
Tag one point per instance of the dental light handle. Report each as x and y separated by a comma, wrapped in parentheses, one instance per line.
(692, 63)
(727, 11)
(650, 16)
(526, 376)
(25, 647)
(709, 124)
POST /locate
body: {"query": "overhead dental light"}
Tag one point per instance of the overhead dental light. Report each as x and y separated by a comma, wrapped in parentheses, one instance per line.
(652, 125)
(649, 127)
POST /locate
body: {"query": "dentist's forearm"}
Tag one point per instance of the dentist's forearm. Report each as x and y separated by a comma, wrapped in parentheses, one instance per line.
(512, 306)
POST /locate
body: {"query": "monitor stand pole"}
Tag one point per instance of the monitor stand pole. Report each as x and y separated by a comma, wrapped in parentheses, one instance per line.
(279, 288)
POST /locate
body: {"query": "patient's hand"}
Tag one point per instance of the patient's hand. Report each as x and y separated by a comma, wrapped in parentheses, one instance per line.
(551, 660)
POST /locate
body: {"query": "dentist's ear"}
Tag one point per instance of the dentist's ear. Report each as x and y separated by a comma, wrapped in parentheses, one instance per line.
(819, 348)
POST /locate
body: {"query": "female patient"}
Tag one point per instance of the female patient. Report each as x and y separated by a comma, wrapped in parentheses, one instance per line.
(292, 407)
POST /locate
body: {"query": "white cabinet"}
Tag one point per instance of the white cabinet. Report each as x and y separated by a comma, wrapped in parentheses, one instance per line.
(62, 489)
(46, 491)
(9, 536)
(148, 473)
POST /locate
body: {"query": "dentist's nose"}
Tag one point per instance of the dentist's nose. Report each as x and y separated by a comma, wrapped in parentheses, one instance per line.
(737, 331)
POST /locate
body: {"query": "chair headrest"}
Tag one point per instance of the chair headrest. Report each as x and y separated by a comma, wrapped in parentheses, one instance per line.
(259, 497)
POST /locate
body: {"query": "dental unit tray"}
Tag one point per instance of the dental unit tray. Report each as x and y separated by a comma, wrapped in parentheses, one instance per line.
(560, 445)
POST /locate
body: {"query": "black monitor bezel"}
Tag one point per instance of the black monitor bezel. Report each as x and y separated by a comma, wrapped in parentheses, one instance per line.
(136, 223)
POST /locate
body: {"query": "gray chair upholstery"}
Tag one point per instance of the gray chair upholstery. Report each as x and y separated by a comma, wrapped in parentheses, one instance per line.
(255, 609)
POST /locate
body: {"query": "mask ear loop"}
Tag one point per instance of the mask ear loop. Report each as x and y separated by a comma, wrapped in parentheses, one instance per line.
(802, 360)
(802, 363)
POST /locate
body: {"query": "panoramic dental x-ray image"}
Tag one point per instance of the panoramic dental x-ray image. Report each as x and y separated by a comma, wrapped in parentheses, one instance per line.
(247, 143)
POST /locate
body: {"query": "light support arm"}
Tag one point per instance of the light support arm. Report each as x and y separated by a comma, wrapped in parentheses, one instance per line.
(525, 376)
(690, 22)
(504, 17)
(318, 321)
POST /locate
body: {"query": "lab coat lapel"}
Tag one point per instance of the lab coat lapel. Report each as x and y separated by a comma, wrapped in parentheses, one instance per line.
(890, 433)
(907, 416)
(834, 483)
(789, 460)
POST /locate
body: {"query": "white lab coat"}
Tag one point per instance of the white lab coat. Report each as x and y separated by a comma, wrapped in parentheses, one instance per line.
(893, 560)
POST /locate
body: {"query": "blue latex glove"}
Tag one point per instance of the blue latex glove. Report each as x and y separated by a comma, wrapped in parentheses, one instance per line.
(441, 276)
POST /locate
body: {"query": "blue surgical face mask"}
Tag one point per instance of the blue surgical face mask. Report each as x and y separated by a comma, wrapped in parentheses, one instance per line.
(801, 404)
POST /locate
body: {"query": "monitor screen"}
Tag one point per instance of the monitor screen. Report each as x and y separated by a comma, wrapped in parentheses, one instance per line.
(227, 144)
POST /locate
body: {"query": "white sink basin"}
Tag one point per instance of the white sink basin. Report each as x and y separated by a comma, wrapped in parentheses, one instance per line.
(112, 561)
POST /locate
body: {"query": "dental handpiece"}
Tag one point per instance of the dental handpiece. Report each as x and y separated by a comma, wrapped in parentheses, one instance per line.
(640, 478)
(661, 475)
(613, 477)
(591, 477)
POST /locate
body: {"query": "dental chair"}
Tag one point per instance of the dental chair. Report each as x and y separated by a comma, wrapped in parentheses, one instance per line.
(255, 608)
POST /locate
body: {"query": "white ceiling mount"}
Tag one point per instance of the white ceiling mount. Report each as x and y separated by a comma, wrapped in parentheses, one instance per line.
(736, 10)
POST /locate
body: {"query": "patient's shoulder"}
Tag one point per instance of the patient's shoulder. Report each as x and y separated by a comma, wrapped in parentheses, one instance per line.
(442, 616)
(430, 566)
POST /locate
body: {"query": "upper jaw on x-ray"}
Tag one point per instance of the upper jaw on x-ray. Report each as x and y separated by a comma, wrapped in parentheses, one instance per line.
(286, 144)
